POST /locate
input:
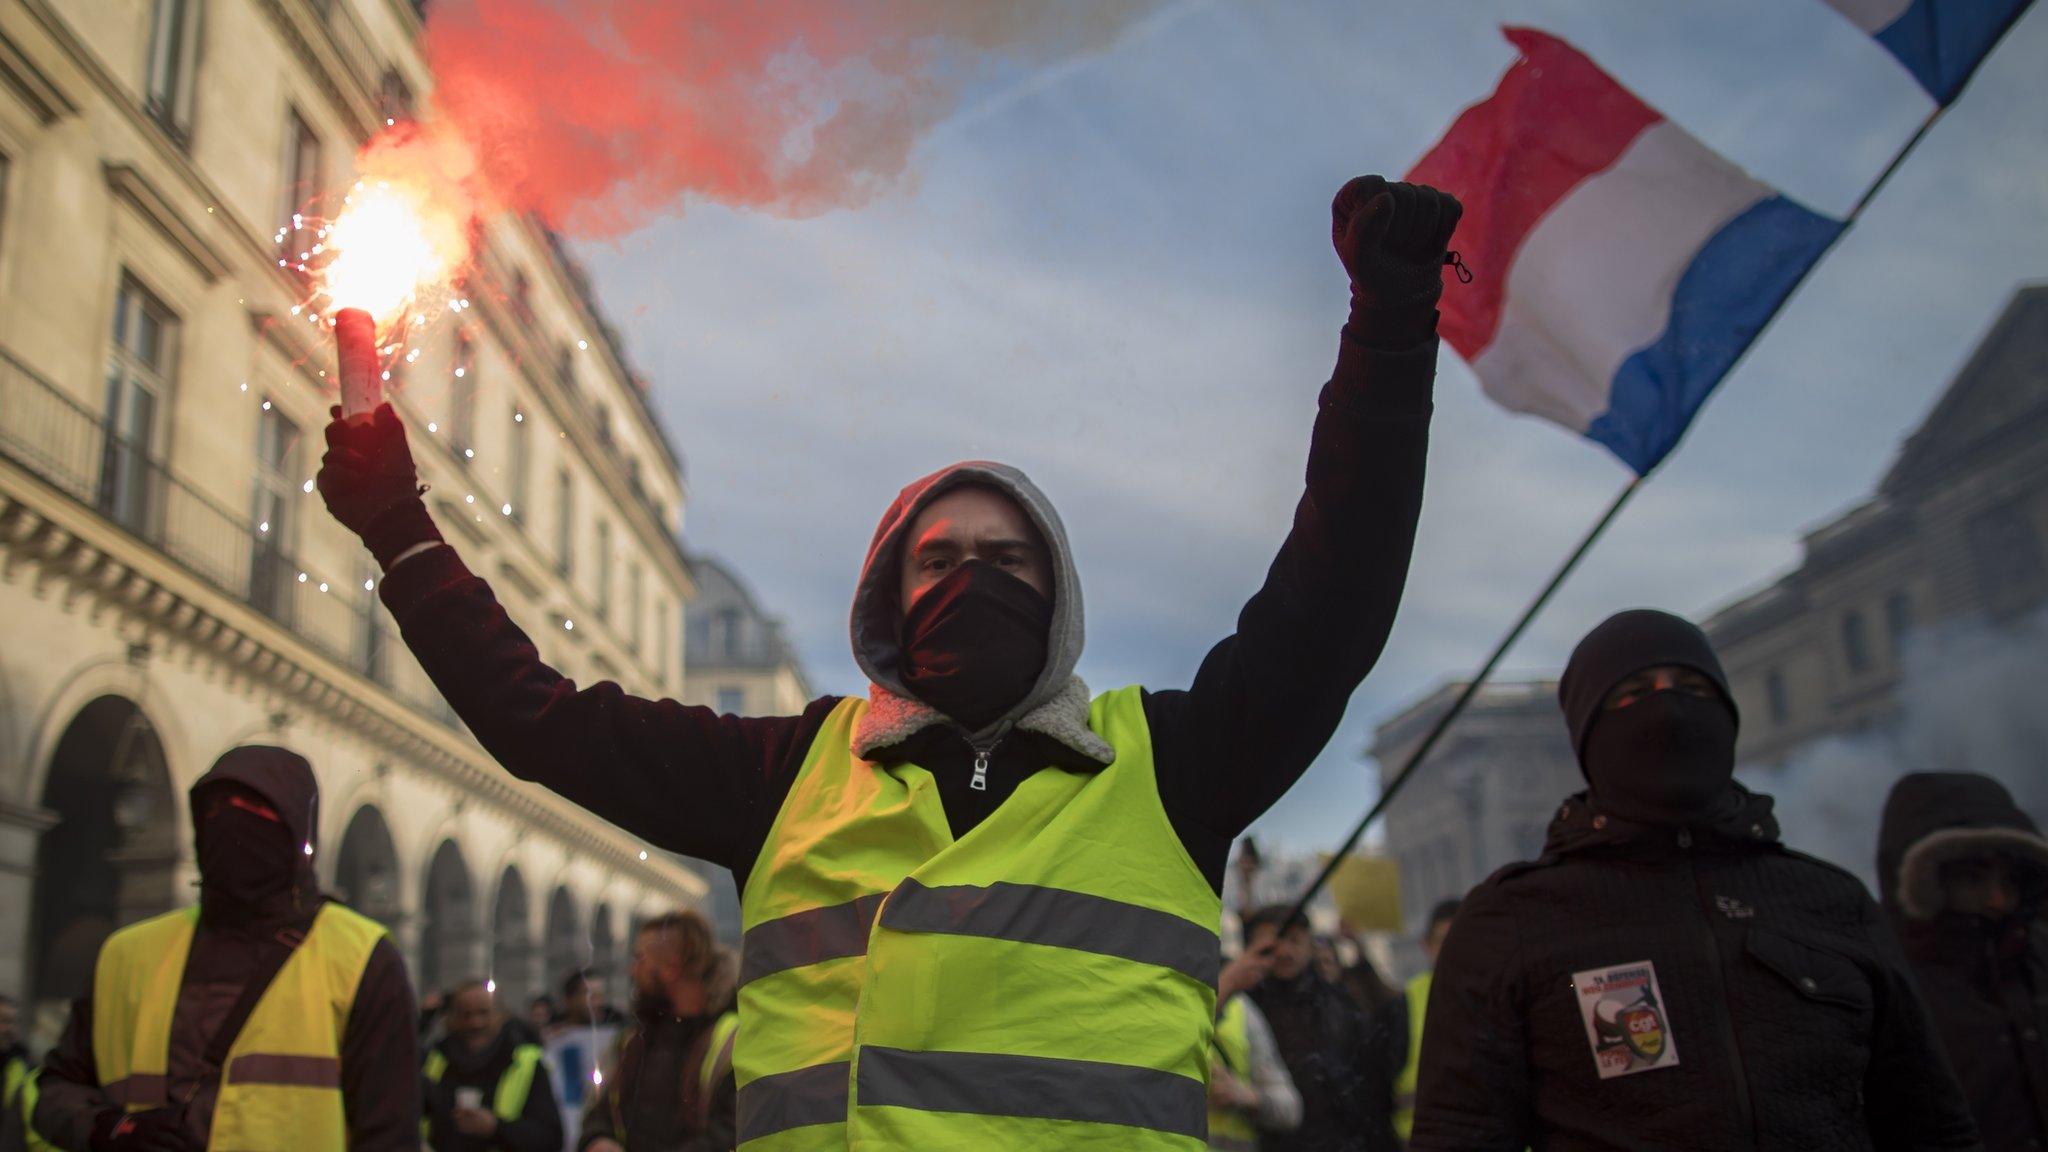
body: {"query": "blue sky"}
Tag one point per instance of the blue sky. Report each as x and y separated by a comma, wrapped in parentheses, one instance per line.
(1115, 273)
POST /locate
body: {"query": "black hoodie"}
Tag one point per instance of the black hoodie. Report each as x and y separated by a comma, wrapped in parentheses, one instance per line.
(379, 1053)
(1985, 978)
(1779, 1002)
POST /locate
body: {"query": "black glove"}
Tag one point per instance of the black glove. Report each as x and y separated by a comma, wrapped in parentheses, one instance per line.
(157, 1130)
(370, 484)
(1392, 239)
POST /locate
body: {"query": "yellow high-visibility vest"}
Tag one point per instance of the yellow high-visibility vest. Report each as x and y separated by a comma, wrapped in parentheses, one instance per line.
(31, 1140)
(13, 1074)
(1047, 981)
(515, 1083)
(1230, 1128)
(724, 1031)
(282, 1079)
(1404, 1084)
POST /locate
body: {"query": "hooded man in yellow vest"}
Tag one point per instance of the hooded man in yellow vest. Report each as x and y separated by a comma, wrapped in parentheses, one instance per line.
(980, 906)
(324, 1057)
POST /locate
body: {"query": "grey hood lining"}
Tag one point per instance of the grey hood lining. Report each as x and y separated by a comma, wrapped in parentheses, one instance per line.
(891, 719)
(894, 713)
(1920, 895)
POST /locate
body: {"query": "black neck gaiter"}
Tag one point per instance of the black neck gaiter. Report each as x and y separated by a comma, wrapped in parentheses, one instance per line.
(974, 644)
(1667, 759)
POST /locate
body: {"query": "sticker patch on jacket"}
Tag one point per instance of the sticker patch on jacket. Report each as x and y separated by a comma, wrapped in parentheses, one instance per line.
(1625, 1022)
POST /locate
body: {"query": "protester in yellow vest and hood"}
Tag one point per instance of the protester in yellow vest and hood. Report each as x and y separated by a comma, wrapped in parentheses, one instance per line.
(325, 1056)
(977, 792)
(487, 1088)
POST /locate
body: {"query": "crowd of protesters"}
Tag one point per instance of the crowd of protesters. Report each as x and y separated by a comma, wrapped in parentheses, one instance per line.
(580, 1076)
(982, 908)
(1668, 975)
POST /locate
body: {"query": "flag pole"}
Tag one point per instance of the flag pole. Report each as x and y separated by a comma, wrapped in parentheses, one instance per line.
(1471, 689)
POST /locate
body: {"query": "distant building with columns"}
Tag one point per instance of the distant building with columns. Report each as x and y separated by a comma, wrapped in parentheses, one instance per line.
(1483, 798)
(741, 662)
(169, 585)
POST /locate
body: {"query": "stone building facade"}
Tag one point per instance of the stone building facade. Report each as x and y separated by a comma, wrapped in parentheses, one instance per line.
(170, 586)
(1956, 534)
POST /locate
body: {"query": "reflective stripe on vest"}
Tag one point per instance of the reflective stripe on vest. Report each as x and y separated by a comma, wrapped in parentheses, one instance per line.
(1404, 1084)
(1231, 1128)
(290, 1043)
(1048, 980)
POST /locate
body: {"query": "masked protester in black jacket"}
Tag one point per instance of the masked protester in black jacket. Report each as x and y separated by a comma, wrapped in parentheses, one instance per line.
(1964, 874)
(1668, 975)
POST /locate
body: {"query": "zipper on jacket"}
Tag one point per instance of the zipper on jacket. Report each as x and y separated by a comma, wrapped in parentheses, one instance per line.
(1745, 1112)
(980, 781)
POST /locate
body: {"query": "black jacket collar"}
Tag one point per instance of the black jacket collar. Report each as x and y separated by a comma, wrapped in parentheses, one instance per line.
(1742, 821)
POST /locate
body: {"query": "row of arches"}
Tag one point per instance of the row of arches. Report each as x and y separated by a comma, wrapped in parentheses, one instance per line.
(112, 857)
(456, 940)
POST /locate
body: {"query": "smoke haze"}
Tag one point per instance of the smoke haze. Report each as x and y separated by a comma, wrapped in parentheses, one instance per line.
(599, 115)
(1970, 701)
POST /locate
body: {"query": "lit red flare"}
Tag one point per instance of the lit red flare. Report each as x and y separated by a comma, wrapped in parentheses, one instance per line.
(390, 246)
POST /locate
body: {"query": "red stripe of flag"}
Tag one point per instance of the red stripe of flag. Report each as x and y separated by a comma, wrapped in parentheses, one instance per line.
(1555, 120)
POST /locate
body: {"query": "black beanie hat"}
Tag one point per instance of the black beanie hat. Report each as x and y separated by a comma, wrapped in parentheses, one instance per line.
(1623, 645)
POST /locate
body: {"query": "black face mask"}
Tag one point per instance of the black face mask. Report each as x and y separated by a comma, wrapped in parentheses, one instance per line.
(974, 644)
(1668, 758)
(245, 860)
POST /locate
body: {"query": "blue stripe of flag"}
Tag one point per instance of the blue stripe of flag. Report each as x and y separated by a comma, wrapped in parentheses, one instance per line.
(1727, 294)
(1941, 42)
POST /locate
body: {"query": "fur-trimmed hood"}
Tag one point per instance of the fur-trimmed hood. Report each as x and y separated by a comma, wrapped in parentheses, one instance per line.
(1931, 818)
(1056, 706)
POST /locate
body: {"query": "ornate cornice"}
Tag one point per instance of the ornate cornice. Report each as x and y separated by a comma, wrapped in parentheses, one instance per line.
(68, 552)
(44, 96)
(131, 187)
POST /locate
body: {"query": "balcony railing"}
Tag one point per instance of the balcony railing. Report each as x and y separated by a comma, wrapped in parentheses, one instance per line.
(75, 451)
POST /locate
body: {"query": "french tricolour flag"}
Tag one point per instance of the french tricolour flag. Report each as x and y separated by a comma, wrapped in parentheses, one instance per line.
(1622, 265)
(1939, 41)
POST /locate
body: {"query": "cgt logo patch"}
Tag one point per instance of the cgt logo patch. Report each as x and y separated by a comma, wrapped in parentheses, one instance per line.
(1623, 1010)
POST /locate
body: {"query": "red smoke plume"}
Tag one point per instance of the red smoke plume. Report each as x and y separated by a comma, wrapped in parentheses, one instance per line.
(600, 114)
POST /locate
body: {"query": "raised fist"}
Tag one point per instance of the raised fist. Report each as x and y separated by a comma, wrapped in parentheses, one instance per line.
(371, 485)
(1392, 238)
